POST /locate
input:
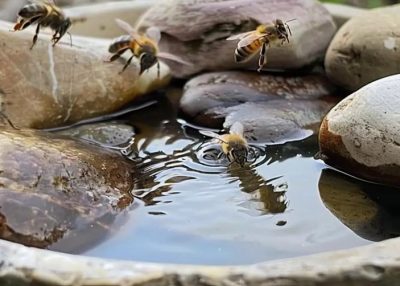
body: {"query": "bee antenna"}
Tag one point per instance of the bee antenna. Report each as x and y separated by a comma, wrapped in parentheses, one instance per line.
(70, 38)
(294, 19)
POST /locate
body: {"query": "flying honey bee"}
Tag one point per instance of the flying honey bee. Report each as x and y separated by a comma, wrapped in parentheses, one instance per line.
(234, 146)
(46, 14)
(260, 40)
(143, 46)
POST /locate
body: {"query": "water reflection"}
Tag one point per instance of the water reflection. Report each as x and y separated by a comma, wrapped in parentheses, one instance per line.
(361, 206)
(196, 208)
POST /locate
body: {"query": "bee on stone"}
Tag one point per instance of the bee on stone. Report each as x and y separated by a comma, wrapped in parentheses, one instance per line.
(143, 46)
(233, 144)
(44, 13)
(260, 39)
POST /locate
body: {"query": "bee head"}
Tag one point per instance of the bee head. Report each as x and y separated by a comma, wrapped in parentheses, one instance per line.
(65, 25)
(281, 28)
(238, 153)
(147, 60)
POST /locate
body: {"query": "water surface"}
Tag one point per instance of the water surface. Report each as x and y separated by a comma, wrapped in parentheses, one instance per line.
(192, 210)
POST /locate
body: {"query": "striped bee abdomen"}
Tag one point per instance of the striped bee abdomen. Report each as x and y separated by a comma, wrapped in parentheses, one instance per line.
(120, 43)
(32, 10)
(244, 53)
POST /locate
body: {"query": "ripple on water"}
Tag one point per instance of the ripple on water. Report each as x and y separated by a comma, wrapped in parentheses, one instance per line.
(193, 207)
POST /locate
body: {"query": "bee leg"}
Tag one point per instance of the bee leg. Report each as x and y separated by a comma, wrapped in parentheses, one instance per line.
(127, 64)
(117, 55)
(36, 36)
(220, 155)
(56, 39)
(158, 70)
(263, 57)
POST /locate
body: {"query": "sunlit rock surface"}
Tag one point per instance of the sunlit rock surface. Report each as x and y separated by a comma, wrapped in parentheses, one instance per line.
(48, 87)
(59, 193)
(197, 31)
(361, 135)
(273, 109)
(365, 49)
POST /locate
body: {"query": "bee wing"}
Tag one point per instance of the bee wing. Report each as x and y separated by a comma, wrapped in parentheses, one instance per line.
(174, 58)
(209, 134)
(154, 33)
(249, 39)
(127, 28)
(237, 128)
(239, 36)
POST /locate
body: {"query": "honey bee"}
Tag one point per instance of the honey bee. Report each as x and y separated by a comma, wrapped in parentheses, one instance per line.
(46, 14)
(260, 40)
(143, 46)
(234, 146)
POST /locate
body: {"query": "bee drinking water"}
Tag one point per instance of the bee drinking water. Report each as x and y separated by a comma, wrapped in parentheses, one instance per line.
(234, 146)
(46, 14)
(260, 40)
(143, 46)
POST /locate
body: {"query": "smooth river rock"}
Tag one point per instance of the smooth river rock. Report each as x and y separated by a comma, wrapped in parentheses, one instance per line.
(58, 193)
(47, 87)
(98, 20)
(361, 135)
(272, 108)
(365, 48)
(342, 13)
(196, 30)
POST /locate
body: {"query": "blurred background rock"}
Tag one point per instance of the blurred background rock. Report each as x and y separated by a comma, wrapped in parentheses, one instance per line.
(364, 3)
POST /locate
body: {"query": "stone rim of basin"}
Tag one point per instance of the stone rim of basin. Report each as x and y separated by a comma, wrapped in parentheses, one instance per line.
(366, 264)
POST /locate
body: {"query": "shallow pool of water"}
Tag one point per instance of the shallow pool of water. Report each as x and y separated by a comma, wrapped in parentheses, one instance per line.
(192, 210)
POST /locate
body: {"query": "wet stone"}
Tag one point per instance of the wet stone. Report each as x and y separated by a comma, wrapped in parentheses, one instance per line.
(104, 133)
(48, 87)
(272, 108)
(58, 193)
(365, 49)
(197, 31)
(361, 134)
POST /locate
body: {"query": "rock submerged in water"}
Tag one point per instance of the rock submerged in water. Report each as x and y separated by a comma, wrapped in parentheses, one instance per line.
(48, 87)
(56, 190)
(110, 134)
(365, 49)
(272, 108)
(197, 31)
(361, 135)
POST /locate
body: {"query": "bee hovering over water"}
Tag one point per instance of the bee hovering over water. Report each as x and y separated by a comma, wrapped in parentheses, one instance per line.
(143, 46)
(46, 14)
(260, 40)
(234, 146)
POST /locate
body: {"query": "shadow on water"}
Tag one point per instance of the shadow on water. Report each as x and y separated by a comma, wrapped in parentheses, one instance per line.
(193, 208)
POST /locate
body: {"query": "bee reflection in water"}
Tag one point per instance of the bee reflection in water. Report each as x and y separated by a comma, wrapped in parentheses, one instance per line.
(266, 196)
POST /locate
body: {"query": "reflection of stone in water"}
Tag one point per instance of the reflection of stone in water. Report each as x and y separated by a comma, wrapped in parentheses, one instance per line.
(265, 197)
(346, 199)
